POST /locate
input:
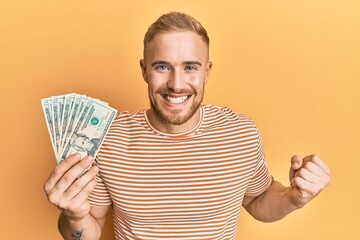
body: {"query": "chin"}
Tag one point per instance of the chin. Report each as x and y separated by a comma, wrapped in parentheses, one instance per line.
(178, 118)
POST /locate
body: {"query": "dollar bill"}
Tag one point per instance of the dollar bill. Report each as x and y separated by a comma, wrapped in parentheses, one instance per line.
(72, 113)
(46, 105)
(56, 124)
(90, 131)
(76, 123)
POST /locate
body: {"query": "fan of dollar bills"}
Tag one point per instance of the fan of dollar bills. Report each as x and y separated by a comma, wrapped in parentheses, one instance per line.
(76, 123)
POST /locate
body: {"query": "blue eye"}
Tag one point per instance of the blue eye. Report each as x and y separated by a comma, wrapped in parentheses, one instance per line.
(162, 67)
(189, 68)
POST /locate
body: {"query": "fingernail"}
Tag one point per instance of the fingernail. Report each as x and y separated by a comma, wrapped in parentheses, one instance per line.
(89, 158)
(95, 169)
(77, 155)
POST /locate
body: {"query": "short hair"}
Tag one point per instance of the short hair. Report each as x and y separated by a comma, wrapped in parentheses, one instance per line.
(175, 21)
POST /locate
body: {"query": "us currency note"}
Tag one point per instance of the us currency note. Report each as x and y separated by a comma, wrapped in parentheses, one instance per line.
(46, 105)
(61, 110)
(90, 130)
(76, 123)
(56, 124)
(68, 102)
(70, 120)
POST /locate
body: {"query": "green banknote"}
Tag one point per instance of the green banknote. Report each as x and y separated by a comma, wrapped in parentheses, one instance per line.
(76, 124)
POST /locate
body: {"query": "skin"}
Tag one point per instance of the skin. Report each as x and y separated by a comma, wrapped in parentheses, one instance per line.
(308, 176)
(175, 65)
(70, 195)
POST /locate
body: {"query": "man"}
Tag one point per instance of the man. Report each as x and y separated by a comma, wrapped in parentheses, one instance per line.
(179, 170)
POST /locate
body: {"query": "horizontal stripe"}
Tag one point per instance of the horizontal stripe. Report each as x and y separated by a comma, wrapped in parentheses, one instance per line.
(165, 186)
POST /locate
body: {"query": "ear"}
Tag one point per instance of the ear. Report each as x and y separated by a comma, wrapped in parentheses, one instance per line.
(207, 71)
(143, 70)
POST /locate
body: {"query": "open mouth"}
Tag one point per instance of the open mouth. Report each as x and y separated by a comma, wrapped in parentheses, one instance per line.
(176, 100)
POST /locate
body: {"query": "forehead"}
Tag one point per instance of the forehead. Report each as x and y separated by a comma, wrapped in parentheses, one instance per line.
(177, 46)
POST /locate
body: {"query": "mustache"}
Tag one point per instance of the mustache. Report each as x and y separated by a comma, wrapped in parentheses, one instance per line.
(168, 91)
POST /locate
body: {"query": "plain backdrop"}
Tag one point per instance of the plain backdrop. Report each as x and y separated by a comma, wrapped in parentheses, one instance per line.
(292, 66)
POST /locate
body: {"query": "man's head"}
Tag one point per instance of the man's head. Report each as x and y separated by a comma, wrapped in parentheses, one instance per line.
(175, 22)
(82, 142)
(176, 67)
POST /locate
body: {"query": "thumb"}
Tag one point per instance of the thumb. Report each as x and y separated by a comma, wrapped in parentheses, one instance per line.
(296, 163)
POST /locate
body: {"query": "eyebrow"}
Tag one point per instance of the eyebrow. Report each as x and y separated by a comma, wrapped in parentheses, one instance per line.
(159, 62)
(184, 63)
(192, 63)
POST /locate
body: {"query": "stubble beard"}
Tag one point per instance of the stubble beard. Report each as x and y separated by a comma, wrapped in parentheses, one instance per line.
(174, 117)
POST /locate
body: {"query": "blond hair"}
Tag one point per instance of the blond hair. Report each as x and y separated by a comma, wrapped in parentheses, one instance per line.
(175, 21)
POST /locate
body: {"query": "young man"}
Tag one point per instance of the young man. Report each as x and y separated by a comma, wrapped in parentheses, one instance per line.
(179, 170)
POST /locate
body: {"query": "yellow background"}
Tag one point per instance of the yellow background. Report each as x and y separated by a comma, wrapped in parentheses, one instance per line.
(292, 66)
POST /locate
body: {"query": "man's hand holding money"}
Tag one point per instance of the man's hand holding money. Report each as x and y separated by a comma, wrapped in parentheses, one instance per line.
(69, 192)
(77, 126)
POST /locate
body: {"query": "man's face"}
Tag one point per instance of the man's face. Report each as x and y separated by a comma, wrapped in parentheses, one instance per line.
(176, 68)
(84, 143)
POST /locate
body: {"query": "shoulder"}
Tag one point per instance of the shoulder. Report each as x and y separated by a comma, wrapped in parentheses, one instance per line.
(217, 113)
(223, 121)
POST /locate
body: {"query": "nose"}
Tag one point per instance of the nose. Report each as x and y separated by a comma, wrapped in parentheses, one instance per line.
(176, 81)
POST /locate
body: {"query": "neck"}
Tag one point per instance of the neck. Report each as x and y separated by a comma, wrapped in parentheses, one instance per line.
(162, 126)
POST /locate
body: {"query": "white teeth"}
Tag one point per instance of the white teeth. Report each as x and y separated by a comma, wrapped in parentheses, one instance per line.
(176, 100)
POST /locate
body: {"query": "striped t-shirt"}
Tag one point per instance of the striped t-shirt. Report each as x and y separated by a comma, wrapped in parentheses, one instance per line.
(180, 186)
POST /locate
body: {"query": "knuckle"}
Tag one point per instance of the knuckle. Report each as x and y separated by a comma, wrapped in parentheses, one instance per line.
(297, 180)
(67, 194)
(52, 198)
(78, 185)
(46, 188)
(313, 192)
(307, 164)
(58, 170)
(302, 171)
(315, 157)
(316, 190)
(67, 178)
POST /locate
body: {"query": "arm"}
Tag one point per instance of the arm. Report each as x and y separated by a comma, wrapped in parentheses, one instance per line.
(88, 227)
(308, 177)
(69, 192)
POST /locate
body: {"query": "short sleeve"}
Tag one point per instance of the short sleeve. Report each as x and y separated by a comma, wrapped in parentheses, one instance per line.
(100, 195)
(262, 178)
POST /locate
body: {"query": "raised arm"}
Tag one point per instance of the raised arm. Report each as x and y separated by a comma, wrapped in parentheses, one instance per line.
(308, 177)
(69, 192)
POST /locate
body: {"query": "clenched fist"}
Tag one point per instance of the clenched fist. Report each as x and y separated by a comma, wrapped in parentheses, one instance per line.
(308, 177)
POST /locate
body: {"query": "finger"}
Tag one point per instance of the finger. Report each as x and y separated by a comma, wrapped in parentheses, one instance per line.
(296, 163)
(307, 175)
(72, 174)
(80, 183)
(308, 189)
(85, 191)
(319, 162)
(321, 175)
(313, 168)
(301, 183)
(60, 170)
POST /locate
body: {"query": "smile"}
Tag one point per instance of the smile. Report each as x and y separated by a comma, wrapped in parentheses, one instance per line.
(176, 100)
